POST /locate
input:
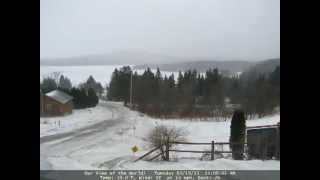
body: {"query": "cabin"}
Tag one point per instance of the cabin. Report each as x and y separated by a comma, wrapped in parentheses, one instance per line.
(264, 142)
(55, 103)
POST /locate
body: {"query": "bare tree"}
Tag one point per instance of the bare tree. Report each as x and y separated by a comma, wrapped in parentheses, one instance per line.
(161, 134)
(56, 76)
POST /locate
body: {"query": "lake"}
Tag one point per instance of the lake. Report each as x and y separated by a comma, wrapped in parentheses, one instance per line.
(79, 74)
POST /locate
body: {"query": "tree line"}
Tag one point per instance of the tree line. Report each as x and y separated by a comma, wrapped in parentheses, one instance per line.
(193, 93)
(84, 95)
(258, 96)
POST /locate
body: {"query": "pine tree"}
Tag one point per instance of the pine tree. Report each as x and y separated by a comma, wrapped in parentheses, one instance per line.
(119, 87)
(159, 96)
(92, 83)
(64, 83)
(83, 98)
(237, 134)
(180, 85)
(113, 89)
(274, 80)
(92, 97)
(75, 93)
(158, 83)
(124, 83)
(48, 84)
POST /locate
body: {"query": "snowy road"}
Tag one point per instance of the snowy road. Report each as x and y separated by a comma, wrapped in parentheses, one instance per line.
(89, 130)
(102, 138)
(67, 147)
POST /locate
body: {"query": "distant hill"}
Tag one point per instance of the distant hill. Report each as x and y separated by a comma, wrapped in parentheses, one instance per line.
(246, 68)
(226, 67)
(142, 60)
(115, 58)
(262, 67)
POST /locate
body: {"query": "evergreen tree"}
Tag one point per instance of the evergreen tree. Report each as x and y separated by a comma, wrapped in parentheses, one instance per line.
(157, 95)
(180, 85)
(75, 92)
(235, 91)
(92, 97)
(274, 80)
(237, 134)
(64, 83)
(135, 88)
(172, 94)
(124, 83)
(91, 83)
(274, 77)
(158, 85)
(83, 98)
(113, 89)
(214, 95)
(119, 87)
(261, 95)
(48, 84)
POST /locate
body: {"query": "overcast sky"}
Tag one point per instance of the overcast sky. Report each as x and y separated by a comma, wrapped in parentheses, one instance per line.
(222, 29)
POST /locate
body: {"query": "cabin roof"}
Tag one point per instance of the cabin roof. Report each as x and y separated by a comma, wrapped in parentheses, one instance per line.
(59, 96)
(262, 128)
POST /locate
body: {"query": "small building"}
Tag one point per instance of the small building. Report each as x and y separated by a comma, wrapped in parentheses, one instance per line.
(55, 103)
(41, 103)
(264, 142)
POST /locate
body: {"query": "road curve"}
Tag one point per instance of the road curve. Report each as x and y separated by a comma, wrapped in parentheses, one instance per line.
(86, 138)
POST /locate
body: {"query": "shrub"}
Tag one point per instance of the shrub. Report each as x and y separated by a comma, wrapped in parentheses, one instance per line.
(161, 134)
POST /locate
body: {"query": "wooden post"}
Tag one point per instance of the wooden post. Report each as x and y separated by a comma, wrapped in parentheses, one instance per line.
(167, 150)
(212, 150)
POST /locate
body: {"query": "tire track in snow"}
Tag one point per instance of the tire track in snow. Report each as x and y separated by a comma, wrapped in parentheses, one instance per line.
(81, 139)
(88, 130)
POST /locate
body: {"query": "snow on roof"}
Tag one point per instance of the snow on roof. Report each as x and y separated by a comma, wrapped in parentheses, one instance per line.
(262, 127)
(59, 96)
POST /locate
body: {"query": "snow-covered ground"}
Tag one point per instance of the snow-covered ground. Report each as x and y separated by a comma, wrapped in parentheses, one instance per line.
(78, 119)
(102, 138)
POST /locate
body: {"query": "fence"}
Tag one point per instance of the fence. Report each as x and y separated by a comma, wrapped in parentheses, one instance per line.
(252, 147)
(166, 152)
(151, 151)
